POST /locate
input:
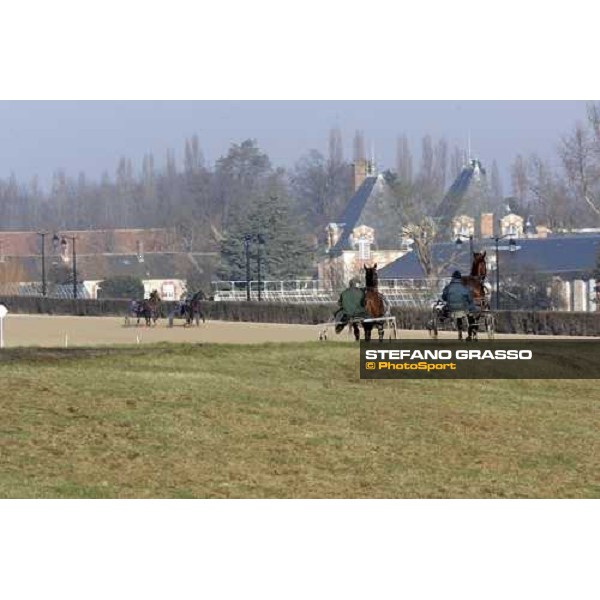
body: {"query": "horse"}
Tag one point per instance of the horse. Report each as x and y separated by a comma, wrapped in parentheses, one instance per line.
(374, 303)
(192, 309)
(475, 282)
(149, 309)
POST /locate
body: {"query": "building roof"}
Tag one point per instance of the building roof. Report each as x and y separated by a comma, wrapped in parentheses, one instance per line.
(95, 267)
(371, 205)
(557, 255)
(29, 243)
(573, 254)
(469, 194)
(408, 267)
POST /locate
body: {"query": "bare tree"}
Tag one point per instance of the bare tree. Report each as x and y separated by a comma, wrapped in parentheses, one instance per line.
(359, 146)
(424, 233)
(457, 162)
(440, 164)
(426, 167)
(519, 179)
(336, 152)
(496, 183)
(404, 160)
(581, 163)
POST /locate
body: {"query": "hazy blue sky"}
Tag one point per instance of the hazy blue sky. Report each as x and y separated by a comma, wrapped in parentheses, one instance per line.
(38, 137)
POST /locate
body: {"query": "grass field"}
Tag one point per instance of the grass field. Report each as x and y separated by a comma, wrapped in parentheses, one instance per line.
(282, 420)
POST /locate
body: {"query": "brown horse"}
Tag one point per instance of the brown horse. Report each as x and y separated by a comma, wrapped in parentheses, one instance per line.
(374, 303)
(475, 283)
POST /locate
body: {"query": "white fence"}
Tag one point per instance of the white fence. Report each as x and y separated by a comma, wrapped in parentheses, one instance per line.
(36, 289)
(398, 292)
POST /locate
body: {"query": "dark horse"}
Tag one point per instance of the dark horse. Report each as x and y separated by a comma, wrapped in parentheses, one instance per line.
(475, 283)
(374, 303)
(149, 309)
(192, 309)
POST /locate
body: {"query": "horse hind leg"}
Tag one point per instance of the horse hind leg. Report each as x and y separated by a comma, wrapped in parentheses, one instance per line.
(473, 328)
(356, 330)
(368, 327)
(380, 331)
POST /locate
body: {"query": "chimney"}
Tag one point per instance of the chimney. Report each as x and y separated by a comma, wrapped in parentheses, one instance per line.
(487, 225)
(359, 173)
(542, 231)
(140, 251)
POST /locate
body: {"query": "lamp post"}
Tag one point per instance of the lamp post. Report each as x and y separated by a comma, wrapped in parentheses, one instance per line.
(460, 237)
(63, 243)
(512, 246)
(43, 235)
(528, 228)
(247, 239)
(261, 241)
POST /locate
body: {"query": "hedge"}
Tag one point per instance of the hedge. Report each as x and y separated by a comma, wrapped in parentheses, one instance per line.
(514, 321)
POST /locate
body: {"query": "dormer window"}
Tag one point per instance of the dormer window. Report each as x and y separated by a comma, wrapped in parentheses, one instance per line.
(364, 249)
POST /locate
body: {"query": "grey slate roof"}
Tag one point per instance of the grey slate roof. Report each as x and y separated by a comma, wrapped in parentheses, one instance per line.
(569, 255)
(408, 267)
(469, 194)
(452, 200)
(352, 213)
(373, 205)
(560, 255)
(92, 267)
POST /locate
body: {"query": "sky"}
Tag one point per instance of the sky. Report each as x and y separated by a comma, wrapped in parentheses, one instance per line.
(39, 137)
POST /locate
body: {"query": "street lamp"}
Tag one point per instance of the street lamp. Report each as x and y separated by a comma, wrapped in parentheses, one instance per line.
(460, 237)
(261, 240)
(43, 235)
(528, 225)
(247, 240)
(512, 247)
(64, 244)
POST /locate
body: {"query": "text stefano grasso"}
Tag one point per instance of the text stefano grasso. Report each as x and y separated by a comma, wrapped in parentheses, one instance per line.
(499, 354)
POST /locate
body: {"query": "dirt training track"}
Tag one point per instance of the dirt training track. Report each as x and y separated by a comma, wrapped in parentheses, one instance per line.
(54, 331)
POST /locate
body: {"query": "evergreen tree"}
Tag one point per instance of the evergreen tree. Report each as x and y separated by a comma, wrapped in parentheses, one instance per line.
(123, 286)
(285, 251)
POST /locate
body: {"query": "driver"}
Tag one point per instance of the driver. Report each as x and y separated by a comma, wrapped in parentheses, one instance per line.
(351, 306)
(459, 299)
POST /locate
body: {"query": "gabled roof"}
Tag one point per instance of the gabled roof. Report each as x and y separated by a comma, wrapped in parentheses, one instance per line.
(558, 255)
(95, 267)
(373, 206)
(469, 194)
(351, 215)
(92, 241)
(450, 205)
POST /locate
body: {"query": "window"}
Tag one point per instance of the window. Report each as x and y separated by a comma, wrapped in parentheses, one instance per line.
(168, 291)
(364, 249)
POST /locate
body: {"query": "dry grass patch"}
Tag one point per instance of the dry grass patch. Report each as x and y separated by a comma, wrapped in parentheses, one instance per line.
(282, 420)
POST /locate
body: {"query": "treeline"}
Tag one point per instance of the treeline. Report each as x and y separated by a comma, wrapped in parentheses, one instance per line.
(243, 193)
(215, 207)
(563, 193)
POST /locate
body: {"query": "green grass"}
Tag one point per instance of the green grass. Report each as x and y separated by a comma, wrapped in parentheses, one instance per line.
(279, 421)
